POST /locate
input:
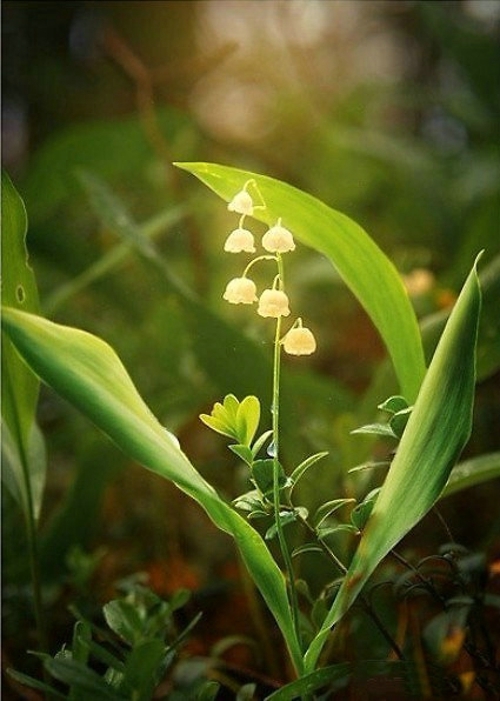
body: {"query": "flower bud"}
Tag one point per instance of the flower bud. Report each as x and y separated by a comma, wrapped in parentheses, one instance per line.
(273, 303)
(240, 240)
(278, 239)
(299, 341)
(240, 290)
(241, 203)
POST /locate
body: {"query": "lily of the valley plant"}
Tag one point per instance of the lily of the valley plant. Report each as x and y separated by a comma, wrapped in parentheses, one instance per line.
(433, 411)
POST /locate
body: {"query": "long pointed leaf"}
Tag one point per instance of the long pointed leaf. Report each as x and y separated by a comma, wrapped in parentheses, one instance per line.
(22, 448)
(364, 267)
(438, 428)
(88, 373)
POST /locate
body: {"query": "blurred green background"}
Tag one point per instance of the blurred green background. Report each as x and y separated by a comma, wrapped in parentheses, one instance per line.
(387, 111)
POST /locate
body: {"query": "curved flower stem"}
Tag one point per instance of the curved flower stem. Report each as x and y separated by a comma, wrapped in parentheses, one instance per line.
(256, 260)
(276, 465)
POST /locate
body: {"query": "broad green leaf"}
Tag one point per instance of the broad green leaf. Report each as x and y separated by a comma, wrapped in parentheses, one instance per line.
(399, 420)
(359, 515)
(393, 405)
(243, 452)
(326, 531)
(88, 373)
(238, 420)
(231, 405)
(366, 270)
(471, 472)
(217, 424)
(304, 466)
(262, 475)
(19, 386)
(437, 430)
(329, 508)
(247, 419)
(124, 619)
(23, 449)
(260, 442)
(375, 429)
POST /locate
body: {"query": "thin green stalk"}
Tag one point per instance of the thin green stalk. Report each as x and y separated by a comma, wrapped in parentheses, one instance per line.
(35, 581)
(276, 471)
(31, 534)
(328, 551)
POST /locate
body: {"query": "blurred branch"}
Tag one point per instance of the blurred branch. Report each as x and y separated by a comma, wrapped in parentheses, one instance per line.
(121, 53)
(145, 80)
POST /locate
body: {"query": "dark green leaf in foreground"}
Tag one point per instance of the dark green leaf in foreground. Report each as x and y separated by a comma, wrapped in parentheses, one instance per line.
(88, 373)
(437, 430)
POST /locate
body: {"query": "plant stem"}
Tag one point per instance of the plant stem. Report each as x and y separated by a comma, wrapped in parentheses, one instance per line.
(328, 551)
(276, 466)
(31, 534)
(428, 584)
(368, 608)
(35, 581)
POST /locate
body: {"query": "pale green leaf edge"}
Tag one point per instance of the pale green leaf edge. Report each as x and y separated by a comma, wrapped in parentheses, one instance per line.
(87, 372)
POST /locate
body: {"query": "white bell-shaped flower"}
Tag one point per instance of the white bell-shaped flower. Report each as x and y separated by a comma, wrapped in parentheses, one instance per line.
(299, 341)
(278, 239)
(240, 290)
(273, 303)
(240, 240)
(241, 203)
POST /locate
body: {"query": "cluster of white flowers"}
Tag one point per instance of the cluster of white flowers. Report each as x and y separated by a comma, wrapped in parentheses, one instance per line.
(272, 302)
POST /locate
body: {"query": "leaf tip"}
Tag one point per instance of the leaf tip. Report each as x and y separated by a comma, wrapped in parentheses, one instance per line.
(190, 167)
(478, 258)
